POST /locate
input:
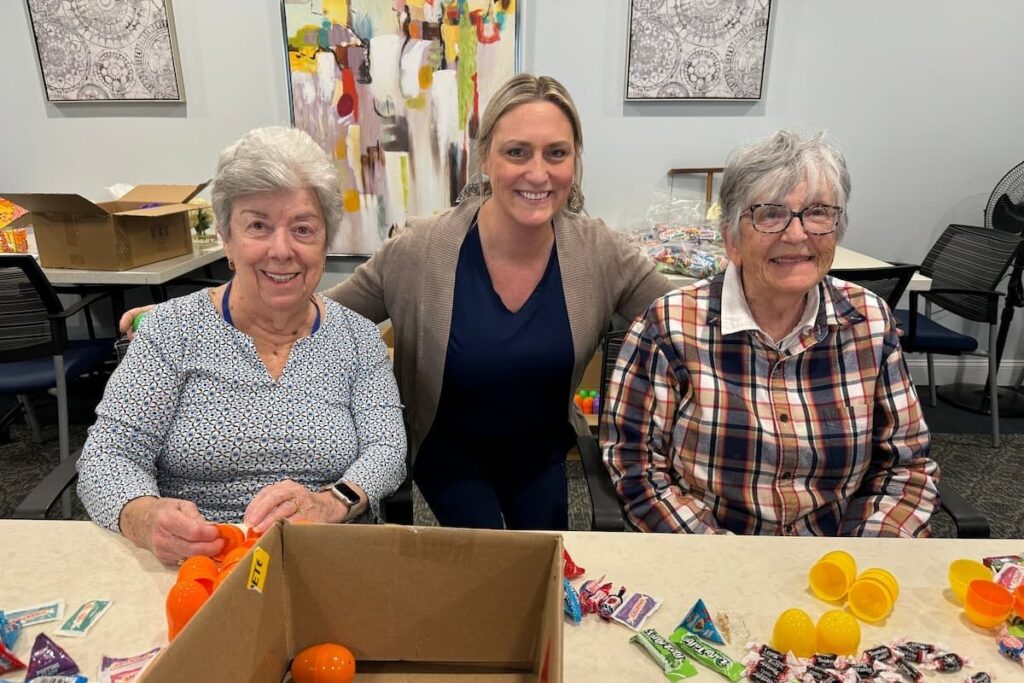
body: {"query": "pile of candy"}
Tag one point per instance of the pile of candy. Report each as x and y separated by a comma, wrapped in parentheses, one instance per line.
(691, 250)
(675, 652)
(901, 659)
(596, 596)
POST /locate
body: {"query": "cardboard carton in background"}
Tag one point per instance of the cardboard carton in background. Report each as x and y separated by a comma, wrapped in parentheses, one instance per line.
(413, 604)
(73, 232)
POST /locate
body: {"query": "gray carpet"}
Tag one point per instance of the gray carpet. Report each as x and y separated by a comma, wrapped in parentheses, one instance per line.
(989, 478)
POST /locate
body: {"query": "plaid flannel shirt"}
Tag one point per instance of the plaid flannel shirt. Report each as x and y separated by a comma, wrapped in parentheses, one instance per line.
(705, 433)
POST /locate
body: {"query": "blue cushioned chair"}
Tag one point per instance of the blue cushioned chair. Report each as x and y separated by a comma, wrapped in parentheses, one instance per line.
(966, 266)
(35, 352)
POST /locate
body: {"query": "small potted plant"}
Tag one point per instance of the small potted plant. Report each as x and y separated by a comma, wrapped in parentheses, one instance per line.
(202, 221)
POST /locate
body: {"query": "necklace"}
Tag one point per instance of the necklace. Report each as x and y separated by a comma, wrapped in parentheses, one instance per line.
(225, 304)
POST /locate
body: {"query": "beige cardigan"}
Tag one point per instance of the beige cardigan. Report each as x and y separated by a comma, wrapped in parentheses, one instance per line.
(411, 280)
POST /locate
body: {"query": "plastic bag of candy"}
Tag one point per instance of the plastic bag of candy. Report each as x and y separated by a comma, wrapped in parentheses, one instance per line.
(681, 237)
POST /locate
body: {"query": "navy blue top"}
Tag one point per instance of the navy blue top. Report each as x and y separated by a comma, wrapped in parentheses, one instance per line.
(506, 375)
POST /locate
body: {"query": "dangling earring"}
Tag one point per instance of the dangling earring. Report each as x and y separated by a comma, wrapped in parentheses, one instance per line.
(478, 186)
(231, 265)
(574, 203)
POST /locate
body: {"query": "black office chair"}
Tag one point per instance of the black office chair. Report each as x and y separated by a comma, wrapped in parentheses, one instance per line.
(35, 352)
(966, 265)
(888, 282)
(606, 508)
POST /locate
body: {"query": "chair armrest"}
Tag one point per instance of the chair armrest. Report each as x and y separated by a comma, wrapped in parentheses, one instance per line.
(606, 510)
(79, 305)
(959, 290)
(41, 498)
(969, 522)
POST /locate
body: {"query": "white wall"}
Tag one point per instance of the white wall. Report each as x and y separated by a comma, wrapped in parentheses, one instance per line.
(925, 96)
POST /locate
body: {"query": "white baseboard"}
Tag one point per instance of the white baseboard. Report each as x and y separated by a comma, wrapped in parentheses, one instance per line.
(962, 369)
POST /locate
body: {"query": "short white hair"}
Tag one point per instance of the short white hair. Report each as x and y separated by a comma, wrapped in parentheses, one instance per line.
(768, 170)
(270, 159)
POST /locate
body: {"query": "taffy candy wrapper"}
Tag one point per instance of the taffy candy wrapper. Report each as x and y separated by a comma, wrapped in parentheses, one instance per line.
(1010, 576)
(9, 631)
(1011, 647)
(49, 659)
(997, 562)
(608, 606)
(698, 620)
(635, 609)
(570, 569)
(673, 661)
(593, 593)
(125, 669)
(707, 654)
(979, 677)
(571, 606)
(9, 661)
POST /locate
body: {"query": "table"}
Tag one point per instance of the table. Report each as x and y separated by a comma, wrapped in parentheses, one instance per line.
(157, 273)
(844, 258)
(753, 579)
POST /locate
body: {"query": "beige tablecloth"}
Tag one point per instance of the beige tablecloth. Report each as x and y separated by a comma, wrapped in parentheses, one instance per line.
(750, 579)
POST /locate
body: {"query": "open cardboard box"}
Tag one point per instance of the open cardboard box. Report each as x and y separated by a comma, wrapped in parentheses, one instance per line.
(412, 604)
(73, 232)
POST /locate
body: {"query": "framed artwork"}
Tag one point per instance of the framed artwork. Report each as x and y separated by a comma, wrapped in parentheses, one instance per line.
(107, 50)
(696, 49)
(393, 90)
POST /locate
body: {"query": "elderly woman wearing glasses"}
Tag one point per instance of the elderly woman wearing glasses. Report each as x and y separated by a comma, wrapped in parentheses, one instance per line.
(771, 399)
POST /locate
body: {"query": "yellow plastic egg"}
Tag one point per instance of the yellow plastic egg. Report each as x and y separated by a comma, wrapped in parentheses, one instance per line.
(794, 632)
(838, 632)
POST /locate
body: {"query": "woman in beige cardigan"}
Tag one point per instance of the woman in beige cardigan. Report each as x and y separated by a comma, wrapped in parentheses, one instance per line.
(497, 306)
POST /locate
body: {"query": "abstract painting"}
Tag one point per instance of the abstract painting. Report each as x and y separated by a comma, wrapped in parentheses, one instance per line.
(393, 90)
(696, 49)
(107, 50)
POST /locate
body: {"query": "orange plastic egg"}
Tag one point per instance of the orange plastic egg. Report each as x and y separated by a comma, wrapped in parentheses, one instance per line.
(199, 568)
(183, 601)
(235, 555)
(220, 579)
(324, 663)
(233, 537)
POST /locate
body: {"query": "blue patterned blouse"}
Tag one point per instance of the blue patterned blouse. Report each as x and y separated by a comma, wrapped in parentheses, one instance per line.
(193, 413)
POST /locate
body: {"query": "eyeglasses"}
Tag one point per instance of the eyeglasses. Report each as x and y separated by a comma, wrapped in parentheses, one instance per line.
(817, 219)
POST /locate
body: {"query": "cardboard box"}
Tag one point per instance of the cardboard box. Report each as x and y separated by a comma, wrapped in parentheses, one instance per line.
(73, 232)
(412, 603)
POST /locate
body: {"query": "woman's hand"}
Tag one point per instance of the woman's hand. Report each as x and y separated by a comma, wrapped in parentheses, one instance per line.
(292, 501)
(170, 528)
(125, 324)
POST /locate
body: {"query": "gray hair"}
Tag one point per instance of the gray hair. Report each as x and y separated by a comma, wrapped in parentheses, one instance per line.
(524, 89)
(270, 159)
(768, 170)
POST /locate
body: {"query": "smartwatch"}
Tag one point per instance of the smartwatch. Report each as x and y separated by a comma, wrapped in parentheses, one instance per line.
(343, 492)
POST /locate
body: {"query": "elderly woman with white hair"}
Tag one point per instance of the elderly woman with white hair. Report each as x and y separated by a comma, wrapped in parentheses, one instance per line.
(257, 400)
(771, 399)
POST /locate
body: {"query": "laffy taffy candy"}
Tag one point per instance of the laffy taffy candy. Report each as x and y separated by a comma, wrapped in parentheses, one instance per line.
(706, 654)
(49, 659)
(673, 661)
